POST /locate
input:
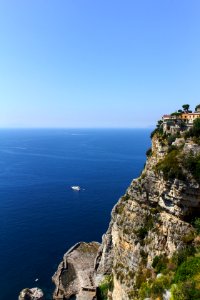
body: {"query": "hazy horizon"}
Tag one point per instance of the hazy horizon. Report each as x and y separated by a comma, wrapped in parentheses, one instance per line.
(86, 64)
(78, 128)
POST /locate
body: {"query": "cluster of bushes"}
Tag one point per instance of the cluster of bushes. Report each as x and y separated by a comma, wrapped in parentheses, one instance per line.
(192, 164)
(181, 256)
(196, 225)
(187, 280)
(105, 286)
(143, 230)
(149, 152)
(159, 263)
(170, 166)
(187, 269)
(156, 288)
(158, 130)
(185, 291)
(119, 208)
(171, 138)
(180, 275)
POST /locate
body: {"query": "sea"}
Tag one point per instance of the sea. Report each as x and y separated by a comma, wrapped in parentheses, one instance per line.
(41, 217)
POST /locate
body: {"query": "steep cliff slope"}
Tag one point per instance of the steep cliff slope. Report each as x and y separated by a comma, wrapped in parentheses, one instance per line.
(151, 222)
(150, 250)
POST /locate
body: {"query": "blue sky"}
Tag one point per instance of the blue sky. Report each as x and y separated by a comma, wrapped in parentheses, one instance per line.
(97, 63)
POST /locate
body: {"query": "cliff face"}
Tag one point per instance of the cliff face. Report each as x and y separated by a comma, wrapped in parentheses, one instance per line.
(151, 219)
(149, 224)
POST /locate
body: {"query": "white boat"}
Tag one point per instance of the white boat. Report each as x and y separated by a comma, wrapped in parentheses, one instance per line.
(76, 188)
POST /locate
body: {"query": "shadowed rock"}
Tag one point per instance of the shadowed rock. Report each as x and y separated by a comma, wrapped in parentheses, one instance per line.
(31, 294)
(75, 274)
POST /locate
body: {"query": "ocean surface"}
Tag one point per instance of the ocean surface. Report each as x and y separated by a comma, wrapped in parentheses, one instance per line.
(40, 216)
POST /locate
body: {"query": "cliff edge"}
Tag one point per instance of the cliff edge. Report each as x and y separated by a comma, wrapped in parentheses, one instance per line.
(154, 229)
(151, 221)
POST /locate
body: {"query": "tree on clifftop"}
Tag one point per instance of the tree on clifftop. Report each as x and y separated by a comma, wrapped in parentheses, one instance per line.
(197, 107)
(186, 107)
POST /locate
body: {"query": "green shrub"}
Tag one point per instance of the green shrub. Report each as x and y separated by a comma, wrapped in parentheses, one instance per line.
(185, 291)
(153, 133)
(179, 257)
(189, 236)
(171, 148)
(143, 230)
(197, 107)
(104, 287)
(149, 152)
(170, 166)
(196, 127)
(119, 208)
(156, 288)
(159, 263)
(125, 197)
(187, 269)
(155, 261)
(171, 139)
(158, 130)
(145, 290)
(140, 278)
(143, 254)
(192, 164)
(195, 130)
(197, 225)
(160, 285)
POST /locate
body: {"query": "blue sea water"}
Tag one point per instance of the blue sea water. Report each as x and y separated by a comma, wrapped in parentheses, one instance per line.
(40, 216)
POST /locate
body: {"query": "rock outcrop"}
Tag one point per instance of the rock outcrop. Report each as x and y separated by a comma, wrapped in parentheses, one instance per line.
(75, 274)
(150, 220)
(31, 294)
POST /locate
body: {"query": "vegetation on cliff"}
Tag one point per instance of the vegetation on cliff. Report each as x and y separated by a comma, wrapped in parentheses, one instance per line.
(179, 275)
(104, 287)
(171, 166)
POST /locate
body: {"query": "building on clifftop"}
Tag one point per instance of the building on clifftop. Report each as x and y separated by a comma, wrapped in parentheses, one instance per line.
(180, 121)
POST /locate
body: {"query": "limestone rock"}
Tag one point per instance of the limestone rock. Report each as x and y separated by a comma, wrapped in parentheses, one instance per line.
(149, 220)
(75, 274)
(31, 294)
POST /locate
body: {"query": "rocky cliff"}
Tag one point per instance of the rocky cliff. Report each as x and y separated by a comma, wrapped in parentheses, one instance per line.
(150, 220)
(151, 224)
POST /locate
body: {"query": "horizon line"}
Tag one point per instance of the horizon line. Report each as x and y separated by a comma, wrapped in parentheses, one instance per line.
(148, 127)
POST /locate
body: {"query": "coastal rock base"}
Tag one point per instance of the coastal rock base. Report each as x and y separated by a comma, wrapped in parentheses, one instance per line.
(75, 274)
(31, 294)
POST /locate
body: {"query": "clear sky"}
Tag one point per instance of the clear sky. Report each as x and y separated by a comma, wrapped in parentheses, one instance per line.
(97, 63)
